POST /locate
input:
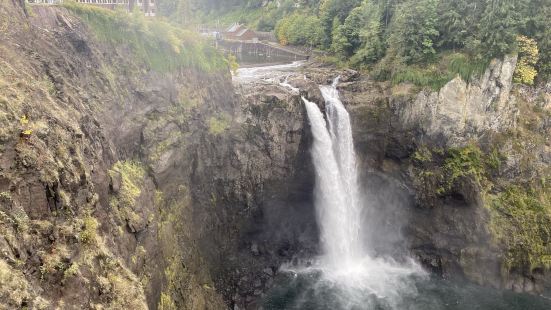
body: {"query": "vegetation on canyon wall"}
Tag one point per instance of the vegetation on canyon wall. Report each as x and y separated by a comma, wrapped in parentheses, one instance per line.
(156, 43)
(71, 202)
(76, 206)
(510, 183)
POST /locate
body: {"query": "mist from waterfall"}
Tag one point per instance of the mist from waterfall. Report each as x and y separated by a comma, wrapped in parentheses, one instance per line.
(345, 265)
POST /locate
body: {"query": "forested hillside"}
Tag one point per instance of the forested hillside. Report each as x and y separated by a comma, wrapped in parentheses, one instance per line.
(422, 41)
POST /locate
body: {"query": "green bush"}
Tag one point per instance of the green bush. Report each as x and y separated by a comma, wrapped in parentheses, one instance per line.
(467, 67)
(528, 58)
(437, 75)
(465, 162)
(6, 196)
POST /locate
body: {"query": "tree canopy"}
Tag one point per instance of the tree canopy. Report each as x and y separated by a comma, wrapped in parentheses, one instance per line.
(408, 32)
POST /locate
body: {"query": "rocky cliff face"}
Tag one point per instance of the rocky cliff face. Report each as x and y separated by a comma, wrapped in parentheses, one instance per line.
(125, 187)
(458, 176)
(460, 112)
(96, 161)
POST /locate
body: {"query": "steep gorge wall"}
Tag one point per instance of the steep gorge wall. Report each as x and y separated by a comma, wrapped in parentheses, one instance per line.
(126, 187)
(459, 176)
(96, 157)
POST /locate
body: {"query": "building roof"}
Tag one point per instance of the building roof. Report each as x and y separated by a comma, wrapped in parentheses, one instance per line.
(233, 28)
(242, 32)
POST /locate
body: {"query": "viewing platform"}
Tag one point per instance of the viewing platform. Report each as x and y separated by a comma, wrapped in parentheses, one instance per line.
(239, 40)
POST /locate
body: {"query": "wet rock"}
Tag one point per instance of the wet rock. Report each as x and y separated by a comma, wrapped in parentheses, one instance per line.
(349, 75)
(269, 283)
(257, 283)
(115, 180)
(268, 271)
(308, 89)
(254, 249)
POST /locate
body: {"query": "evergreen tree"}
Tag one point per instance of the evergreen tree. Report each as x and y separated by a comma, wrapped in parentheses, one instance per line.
(498, 28)
(371, 35)
(414, 30)
(340, 45)
(457, 21)
(329, 9)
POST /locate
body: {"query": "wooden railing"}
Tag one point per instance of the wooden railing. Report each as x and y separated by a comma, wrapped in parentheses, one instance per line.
(44, 1)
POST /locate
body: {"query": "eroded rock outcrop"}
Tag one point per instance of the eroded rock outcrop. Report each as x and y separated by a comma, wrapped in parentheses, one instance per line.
(462, 111)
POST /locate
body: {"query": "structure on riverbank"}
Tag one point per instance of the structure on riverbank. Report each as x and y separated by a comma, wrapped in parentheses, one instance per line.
(146, 6)
(238, 32)
(240, 40)
(260, 49)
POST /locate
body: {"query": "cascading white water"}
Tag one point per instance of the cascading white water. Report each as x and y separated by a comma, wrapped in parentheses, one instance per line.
(338, 206)
(336, 183)
(285, 83)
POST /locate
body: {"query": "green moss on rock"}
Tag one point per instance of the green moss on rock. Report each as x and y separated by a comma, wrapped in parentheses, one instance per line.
(88, 235)
(13, 286)
(218, 125)
(521, 223)
(464, 162)
(131, 176)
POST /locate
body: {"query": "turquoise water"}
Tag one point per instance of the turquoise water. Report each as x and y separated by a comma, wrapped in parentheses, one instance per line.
(310, 291)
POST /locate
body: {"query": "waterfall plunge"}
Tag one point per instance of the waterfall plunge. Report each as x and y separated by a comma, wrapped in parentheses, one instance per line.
(345, 262)
(336, 183)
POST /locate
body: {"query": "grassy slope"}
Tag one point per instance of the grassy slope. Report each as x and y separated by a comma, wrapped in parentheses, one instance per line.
(157, 43)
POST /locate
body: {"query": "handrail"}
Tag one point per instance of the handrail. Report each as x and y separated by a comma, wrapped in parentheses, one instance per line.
(44, 1)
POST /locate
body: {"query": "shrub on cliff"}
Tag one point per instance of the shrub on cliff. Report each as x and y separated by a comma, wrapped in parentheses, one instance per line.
(528, 54)
(88, 235)
(521, 222)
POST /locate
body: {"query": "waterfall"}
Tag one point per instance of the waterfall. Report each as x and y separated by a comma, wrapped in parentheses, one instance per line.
(345, 261)
(336, 192)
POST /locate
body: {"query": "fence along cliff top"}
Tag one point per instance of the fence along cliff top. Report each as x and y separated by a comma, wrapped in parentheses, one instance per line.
(146, 6)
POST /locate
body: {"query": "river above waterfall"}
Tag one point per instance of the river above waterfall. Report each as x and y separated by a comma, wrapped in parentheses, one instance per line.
(270, 73)
(252, 60)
